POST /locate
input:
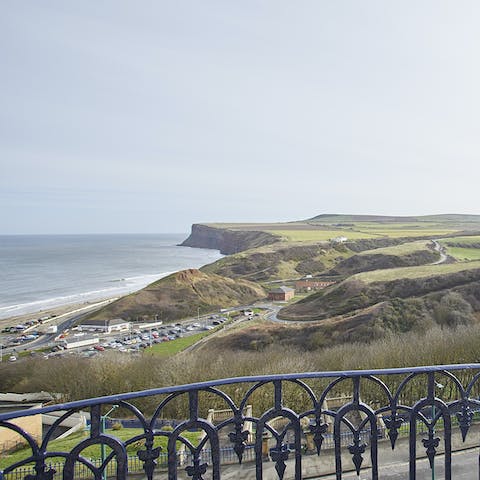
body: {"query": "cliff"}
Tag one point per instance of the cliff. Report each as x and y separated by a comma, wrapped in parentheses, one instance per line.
(227, 241)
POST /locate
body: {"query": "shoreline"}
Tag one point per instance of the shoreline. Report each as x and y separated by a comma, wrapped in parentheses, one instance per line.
(122, 283)
(55, 312)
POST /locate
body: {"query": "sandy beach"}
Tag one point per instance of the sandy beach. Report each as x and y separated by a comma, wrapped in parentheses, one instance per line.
(57, 312)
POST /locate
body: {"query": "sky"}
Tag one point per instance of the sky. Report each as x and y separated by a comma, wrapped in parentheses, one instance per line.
(147, 116)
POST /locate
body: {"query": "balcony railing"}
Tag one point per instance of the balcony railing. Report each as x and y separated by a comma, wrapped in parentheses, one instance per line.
(286, 426)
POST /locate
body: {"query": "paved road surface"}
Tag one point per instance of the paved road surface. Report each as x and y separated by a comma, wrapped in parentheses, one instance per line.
(464, 467)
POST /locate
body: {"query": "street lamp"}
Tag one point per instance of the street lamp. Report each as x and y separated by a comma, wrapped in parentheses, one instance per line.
(102, 446)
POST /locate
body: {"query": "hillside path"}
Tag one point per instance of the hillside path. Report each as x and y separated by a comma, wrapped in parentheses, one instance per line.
(441, 251)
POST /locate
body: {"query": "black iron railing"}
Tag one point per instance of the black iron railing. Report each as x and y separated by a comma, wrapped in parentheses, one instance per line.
(326, 422)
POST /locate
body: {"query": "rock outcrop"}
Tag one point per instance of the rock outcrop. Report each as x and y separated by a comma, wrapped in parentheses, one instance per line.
(226, 240)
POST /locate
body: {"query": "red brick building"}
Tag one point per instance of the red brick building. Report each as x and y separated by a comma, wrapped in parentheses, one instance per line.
(309, 284)
(281, 294)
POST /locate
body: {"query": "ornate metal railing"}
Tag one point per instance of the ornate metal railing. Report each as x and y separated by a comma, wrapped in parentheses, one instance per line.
(299, 422)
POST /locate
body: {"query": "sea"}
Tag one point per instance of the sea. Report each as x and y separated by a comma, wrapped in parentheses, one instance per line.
(42, 272)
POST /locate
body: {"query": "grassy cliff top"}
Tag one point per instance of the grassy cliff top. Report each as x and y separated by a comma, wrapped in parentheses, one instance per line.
(327, 227)
(414, 272)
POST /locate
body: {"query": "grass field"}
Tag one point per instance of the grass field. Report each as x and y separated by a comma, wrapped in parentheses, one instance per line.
(465, 240)
(92, 452)
(325, 230)
(464, 254)
(413, 272)
(360, 233)
(400, 250)
(394, 233)
(166, 349)
(319, 235)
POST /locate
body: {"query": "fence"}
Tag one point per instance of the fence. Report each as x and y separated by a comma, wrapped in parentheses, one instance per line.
(410, 402)
(135, 465)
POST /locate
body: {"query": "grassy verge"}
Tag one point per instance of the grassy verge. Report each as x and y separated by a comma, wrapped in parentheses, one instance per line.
(166, 349)
(92, 452)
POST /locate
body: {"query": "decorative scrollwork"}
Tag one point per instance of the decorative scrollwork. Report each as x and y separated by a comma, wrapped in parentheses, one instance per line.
(318, 429)
(357, 449)
(239, 439)
(279, 455)
(465, 417)
(42, 473)
(393, 424)
(431, 444)
(197, 469)
(149, 458)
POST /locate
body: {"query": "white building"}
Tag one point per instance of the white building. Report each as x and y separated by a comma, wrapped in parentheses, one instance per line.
(105, 326)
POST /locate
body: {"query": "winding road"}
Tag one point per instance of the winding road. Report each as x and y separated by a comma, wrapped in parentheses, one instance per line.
(441, 251)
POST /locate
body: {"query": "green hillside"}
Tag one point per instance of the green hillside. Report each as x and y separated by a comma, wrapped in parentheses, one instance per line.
(364, 290)
(181, 295)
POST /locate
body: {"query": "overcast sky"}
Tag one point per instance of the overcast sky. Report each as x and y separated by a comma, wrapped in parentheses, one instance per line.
(147, 116)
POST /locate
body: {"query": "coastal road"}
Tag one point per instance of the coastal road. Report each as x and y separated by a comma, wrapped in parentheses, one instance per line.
(272, 313)
(71, 318)
(46, 339)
